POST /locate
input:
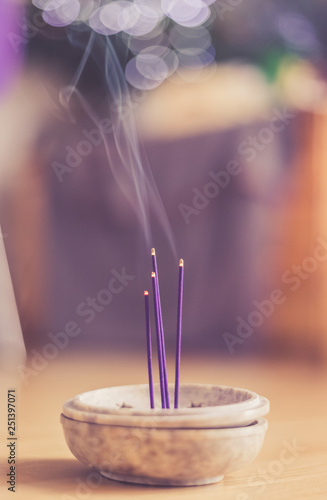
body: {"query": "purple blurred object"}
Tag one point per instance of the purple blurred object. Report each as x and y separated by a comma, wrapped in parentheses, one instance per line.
(12, 41)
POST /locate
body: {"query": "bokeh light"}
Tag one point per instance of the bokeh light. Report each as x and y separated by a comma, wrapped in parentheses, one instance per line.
(186, 12)
(196, 38)
(192, 58)
(151, 67)
(97, 25)
(298, 32)
(136, 44)
(48, 4)
(163, 35)
(111, 16)
(62, 15)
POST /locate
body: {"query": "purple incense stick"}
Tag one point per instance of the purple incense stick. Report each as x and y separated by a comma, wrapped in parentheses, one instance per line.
(149, 347)
(155, 270)
(159, 342)
(179, 330)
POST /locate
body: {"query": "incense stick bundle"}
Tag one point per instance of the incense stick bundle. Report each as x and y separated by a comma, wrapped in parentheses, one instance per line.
(162, 336)
(149, 347)
(179, 330)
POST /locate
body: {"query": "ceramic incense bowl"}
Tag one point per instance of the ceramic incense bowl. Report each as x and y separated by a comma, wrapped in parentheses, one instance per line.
(115, 431)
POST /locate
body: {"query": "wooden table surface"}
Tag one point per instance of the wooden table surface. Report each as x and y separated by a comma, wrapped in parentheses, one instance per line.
(291, 466)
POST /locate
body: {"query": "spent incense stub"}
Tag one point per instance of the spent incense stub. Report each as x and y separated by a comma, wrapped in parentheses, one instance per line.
(149, 347)
(179, 330)
(164, 364)
(159, 341)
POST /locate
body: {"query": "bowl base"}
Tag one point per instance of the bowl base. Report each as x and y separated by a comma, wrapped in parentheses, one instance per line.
(159, 481)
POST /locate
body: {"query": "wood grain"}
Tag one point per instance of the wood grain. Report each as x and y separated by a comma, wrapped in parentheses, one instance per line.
(291, 465)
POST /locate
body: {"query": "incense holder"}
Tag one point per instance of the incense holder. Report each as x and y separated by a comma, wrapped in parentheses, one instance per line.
(215, 431)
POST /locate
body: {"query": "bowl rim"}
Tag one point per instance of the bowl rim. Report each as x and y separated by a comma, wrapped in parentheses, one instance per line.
(207, 420)
(248, 403)
(259, 425)
(234, 414)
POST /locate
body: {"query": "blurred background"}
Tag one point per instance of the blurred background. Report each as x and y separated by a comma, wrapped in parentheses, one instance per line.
(197, 129)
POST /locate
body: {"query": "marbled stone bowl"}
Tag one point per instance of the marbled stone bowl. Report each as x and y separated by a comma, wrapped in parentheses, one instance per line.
(180, 447)
(164, 456)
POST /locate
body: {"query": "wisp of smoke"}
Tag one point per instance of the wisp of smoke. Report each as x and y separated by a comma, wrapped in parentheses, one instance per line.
(132, 172)
(140, 23)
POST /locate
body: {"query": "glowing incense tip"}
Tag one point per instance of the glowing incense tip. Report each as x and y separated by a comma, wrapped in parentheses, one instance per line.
(153, 251)
(181, 262)
(153, 275)
(146, 293)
